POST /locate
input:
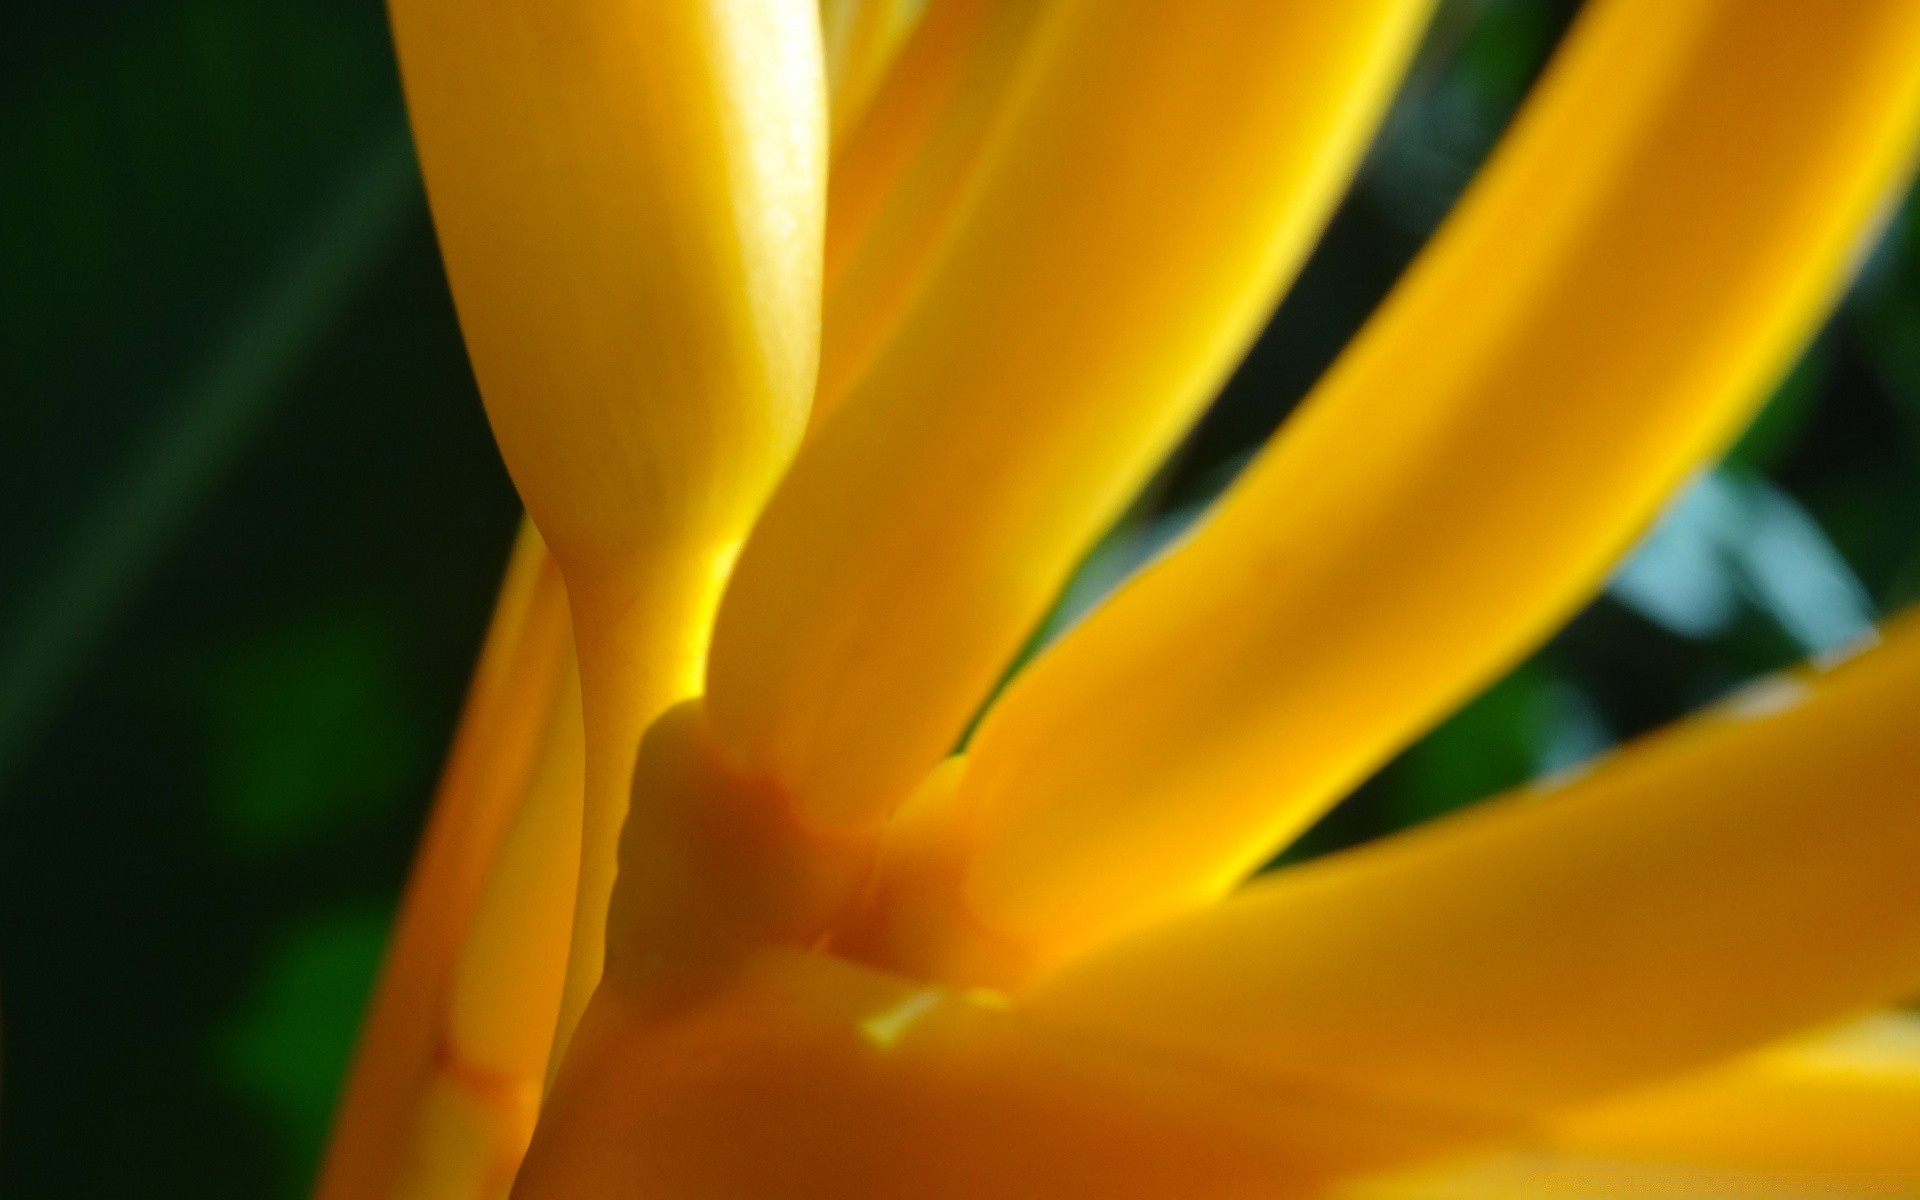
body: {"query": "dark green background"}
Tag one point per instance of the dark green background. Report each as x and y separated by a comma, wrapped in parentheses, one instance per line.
(250, 524)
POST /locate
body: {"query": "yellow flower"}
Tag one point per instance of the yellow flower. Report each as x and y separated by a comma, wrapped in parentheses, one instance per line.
(817, 405)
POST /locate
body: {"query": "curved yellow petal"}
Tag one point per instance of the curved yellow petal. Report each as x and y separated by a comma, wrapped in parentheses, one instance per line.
(860, 39)
(900, 180)
(1161, 173)
(809, 1077)
(495, 756)
(471, 1119)
(1543, 1176)
(1745, 876)
(506, 989)
(471, 1123)
(1663, 227)
(630, 199)
(1845, 1100)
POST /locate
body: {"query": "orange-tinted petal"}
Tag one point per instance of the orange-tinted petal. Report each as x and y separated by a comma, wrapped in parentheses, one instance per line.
(1846, 1100)
(900, 181)
(495, 755)
(630, 201)
(1162, 172)
(860, 39)
(1665, 225)
(806, 1076)
(1546, 1176)
(1745, 876)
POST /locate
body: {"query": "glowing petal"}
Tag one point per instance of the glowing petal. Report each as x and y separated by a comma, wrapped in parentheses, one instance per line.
(812, 1077)
(475, 1112)
(1160, 175)
(629, 199)
(860, 39)
(456, 1148)
(506, 992)
(495, 757)
(473, 1120)
(1668, 220)
(1540, 1176)
(1845, 1101)
(899, 182)
(1742, 877)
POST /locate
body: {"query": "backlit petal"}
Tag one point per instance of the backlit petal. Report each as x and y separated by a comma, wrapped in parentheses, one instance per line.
(1845, 1100)
(1745, 876)
(900, 180)
(811, 1077)
(480, 1083)
(1543, 1176)
(860, 39)
(1161, 173)
(473, 1119)
(495, 756)
(629, 199)
(1662, 229)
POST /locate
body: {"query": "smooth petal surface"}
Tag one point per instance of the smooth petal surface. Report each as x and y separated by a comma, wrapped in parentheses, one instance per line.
(860, 39)
(1745, 876)
(471, 1121)
(496, 756)
(1544, 1176)
(901, 179)
(630, 201)
(1161, 173)
(1847, 1100)
(1668, 220)
(806, 1076)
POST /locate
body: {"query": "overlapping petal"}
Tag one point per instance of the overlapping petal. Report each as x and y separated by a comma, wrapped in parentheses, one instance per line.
(1667, 221)
(491, 769)
(1743, 877)
(1151, 187)
(810, 1077)
(1056, 225)
(473, 1112)
(472, 1120)
(630, 202)
(859, 41)
(1545, 1176)
(1843, 1101)
(900, 181)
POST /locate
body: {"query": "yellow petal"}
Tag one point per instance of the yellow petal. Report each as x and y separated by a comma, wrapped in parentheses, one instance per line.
(502, 1001)
(466, 1140)
(1664, 226)
(506, 991)
(629, 199)
(860, 39)
(1845, 1100)
(808, 1077)
(495, 756)
(473, 1119)
(899, 181)
(1745, 876)
(1162, 172)
(1542, 1176)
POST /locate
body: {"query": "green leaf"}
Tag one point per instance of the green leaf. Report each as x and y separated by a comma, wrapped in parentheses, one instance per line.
(311, 732)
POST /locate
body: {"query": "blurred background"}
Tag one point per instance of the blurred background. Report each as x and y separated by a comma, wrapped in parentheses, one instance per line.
(251, 522)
